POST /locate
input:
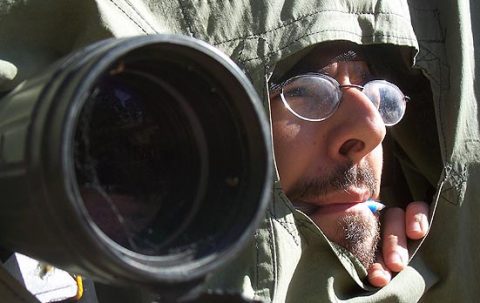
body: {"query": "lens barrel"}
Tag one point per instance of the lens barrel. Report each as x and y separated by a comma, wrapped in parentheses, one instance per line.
(142, 160)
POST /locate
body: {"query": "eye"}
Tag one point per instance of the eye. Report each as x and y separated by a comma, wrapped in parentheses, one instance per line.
(295, 91)
(388, 99)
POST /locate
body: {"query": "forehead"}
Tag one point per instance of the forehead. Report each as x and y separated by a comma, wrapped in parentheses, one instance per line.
(325, 58)
(322, 58)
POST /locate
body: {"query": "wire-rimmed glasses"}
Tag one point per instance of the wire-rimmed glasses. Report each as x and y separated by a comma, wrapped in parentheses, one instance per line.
(316, 97)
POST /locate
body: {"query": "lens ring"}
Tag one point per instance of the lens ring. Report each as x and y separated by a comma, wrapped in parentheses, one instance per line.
(388, 98)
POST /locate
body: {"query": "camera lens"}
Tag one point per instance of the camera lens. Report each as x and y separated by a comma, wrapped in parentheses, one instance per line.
(147, 162)
(139, 161)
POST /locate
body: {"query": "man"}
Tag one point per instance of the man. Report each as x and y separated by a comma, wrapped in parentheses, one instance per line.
(328, 121)
(329, 114)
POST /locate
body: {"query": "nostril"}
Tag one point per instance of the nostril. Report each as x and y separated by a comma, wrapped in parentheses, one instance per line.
(351, 146)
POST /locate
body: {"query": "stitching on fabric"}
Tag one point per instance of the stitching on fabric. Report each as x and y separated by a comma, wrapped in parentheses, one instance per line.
(432, 76)
(306, 225)
(240, 53)
(140, 15)
(455, 180)
(186, 17)
(432, 57)
(440, 111)
(447, 168)
(129, 17)
(283, 223)
(274, 258)
(267, 44)
(322, 31)
(301, 18)
(436, 15)
(302, 222)
(269, 227)
(444, 196)
(438, 81)
(472, 140)
(287, 229)
(441, 66)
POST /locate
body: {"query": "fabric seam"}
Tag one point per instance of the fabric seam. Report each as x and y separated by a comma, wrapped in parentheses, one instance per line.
(282, 223)
(140, 15)
(274, 261)
(128, 16)
(317, 32)
(292, 22)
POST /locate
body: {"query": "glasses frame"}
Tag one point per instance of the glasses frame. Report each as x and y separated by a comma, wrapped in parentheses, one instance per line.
(339, 92)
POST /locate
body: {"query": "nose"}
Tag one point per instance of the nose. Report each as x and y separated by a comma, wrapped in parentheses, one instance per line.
(357, 127)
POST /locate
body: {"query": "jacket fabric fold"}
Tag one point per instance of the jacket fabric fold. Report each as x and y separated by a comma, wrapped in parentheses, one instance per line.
(436, 146)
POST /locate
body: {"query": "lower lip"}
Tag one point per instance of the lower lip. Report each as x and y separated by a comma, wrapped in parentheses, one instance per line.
(340, 207)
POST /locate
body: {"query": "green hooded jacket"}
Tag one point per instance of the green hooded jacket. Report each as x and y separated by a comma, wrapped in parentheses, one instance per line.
(437, 146)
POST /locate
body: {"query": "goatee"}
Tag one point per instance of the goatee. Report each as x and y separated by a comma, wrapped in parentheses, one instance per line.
(360, 236)
(357, 233)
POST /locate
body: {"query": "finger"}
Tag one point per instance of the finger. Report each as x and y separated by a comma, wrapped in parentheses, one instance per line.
(394, 244)
(416, 219)
(378, 274)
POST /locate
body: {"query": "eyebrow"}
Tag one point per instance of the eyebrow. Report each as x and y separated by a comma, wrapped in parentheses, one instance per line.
(321, 65)
(323, 71)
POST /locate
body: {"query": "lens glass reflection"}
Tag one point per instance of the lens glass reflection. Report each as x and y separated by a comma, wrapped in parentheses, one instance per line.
(137, 162)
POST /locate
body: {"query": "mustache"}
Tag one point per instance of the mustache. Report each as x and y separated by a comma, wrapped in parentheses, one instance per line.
(343, 177)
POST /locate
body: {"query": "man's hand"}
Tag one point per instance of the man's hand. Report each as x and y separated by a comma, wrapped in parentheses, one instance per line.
(398, 225)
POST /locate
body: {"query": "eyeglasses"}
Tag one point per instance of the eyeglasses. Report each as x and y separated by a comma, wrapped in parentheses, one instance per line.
(316, 97)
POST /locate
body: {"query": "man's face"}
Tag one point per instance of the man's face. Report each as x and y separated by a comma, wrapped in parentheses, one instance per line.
(334, 165)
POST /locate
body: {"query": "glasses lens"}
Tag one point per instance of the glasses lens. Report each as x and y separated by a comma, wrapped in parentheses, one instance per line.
(388, 98)
(311, 97)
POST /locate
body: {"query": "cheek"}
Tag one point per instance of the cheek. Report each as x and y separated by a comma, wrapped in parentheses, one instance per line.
(375, 159)
(285, 146)
(292, 149)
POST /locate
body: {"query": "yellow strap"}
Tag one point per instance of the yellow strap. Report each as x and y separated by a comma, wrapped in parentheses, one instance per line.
(79, 281)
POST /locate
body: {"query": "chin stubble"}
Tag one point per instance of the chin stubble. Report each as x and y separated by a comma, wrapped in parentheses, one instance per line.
(360, 236)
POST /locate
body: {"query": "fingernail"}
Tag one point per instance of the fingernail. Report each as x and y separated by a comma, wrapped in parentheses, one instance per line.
(423, 223)
(379, 277)
(420, 224)
(397, 259)
(378, 274)
(416, 226)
